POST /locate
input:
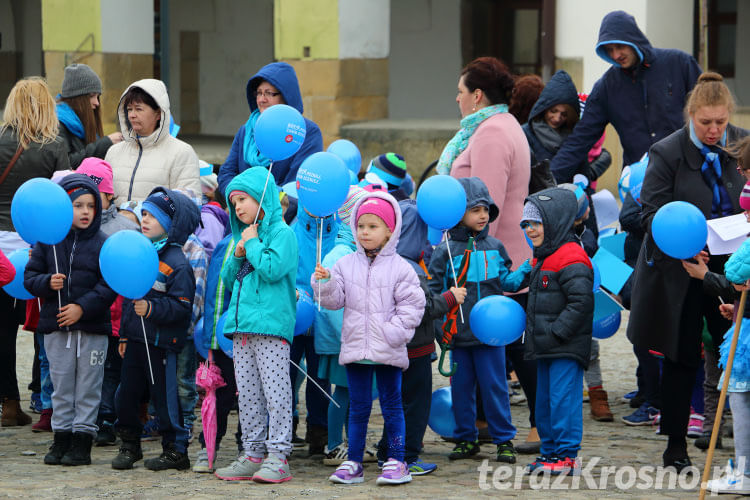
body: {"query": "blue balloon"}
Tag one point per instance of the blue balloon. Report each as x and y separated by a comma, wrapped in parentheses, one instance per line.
(353, 179)
(497, 320)
(41, 211)
(605, 327)
(129, 263)
(441, 202)
(226, 344)
(198, 339)
(19, 258)
(305, 313)
(434, 236)
(322, 183)
(680, 230)
(349, 154)
(280, 132)
(632, 175)
(597, 276)
(442, 421)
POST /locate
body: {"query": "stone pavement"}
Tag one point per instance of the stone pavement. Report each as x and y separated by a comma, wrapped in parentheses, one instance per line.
(606, 445)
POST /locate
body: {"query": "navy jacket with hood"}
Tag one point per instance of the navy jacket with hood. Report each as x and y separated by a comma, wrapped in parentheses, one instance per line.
(560, 306)
(282, 76)
(171, 297)
(489, 265)
(645, 104)
(559, 90)
(78, 260)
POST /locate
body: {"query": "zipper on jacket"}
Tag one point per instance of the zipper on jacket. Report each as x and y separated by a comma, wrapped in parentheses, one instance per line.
(367, 309)
(135, 169)
(70, 267)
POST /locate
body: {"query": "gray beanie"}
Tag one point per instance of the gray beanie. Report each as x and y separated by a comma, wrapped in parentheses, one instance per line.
(80, 80)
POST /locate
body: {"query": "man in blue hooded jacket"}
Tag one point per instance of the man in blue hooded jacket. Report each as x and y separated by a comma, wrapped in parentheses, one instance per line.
(642, 95)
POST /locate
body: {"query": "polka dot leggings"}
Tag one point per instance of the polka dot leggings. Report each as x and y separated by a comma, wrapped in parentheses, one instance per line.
(261, 367)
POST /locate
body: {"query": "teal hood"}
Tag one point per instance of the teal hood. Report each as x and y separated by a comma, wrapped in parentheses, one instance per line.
(251, 181)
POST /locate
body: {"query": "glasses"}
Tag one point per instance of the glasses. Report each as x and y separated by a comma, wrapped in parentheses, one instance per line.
(530, 223)
(266, 93)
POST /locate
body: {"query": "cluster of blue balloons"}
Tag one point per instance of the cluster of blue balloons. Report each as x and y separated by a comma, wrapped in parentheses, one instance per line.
(680, 230)
(441, 202)
(497, 320)
(280, 132)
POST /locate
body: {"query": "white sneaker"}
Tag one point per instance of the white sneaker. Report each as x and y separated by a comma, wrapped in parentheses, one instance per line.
(734, 482)
(242, 469)
(273, 470)
(336, 456)
(201, 463)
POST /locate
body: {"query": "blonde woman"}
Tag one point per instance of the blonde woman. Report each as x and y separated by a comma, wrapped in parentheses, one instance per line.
(28, 134)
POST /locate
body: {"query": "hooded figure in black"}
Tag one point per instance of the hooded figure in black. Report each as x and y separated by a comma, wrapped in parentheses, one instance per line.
(75, 322)
(559, 318)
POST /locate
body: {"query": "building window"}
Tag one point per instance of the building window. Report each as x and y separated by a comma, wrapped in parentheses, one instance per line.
(722, 35)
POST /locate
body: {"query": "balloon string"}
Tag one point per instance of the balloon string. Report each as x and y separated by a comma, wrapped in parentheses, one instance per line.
(453, 270)
(57, 271)
(318, 252)
(148, 355)
(263, 194)
(316, 384)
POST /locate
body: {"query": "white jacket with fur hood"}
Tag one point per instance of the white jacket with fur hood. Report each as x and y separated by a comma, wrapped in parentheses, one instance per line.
(139, 164)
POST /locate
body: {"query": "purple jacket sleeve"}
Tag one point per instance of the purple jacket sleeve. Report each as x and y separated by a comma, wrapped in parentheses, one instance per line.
(410, 306)
(332, 295)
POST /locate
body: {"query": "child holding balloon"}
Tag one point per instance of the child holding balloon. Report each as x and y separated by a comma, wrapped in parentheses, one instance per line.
(559, 318)
(260, 274)
(75, 328)
(486, 265)
(383, 304)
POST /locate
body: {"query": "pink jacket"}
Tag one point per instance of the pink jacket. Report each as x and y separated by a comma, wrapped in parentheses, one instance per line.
(498, 153)
(383, 302)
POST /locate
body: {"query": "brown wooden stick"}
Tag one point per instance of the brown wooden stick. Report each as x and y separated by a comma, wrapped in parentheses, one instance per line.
(723, 395)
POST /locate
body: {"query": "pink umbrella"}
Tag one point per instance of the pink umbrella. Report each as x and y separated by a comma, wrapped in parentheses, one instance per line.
(209, 377)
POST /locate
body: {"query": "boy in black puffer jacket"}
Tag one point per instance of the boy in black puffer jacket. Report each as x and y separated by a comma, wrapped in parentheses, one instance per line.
(75, 330)
(559, 318)
(169, 218)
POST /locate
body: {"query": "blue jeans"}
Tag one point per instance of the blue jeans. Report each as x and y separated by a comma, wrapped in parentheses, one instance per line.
(337, 416)
(388, 379)
(187, 364)
(46, 380)
(559, 406)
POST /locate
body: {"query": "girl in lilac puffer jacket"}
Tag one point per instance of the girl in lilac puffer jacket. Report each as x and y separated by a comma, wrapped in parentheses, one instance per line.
(383, 304)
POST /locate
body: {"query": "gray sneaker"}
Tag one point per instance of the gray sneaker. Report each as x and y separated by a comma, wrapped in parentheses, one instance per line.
(273, 470)
(242, 469)
(201, 463)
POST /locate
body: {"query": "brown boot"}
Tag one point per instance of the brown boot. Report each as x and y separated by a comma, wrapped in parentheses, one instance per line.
(599, 407)
(13, 416)
(45, 422)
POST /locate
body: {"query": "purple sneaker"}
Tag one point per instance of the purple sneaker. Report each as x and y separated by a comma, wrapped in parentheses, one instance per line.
(394, 472)
(348, 473)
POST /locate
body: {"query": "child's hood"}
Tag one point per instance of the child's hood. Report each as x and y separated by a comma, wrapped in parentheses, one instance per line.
(186, 217)
(414, 231)
(478, 194)
(73, 181)
(390, 247)
(157, 90)
(282, 76)
(559, 90)
(251, 181)
(558, 207)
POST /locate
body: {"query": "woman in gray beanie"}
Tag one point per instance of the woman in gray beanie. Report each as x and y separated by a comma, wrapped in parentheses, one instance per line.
(80, 115)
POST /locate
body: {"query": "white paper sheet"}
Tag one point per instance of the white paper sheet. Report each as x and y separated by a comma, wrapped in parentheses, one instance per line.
(606, 208)
(726, 234)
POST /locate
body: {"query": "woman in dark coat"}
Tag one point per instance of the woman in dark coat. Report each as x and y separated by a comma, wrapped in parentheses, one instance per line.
(668, 307)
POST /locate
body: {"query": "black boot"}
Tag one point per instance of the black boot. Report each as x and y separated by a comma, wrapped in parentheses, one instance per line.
(130, 450)
(59, 447)
(106, 435)
(80, 450)
(317, 436)
(297, 441)
(170, 458)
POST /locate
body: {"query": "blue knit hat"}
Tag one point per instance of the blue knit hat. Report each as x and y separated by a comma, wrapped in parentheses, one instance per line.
(162, 207)
(581, 198)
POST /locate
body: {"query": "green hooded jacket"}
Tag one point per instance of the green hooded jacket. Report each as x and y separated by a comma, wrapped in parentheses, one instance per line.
(262, 283)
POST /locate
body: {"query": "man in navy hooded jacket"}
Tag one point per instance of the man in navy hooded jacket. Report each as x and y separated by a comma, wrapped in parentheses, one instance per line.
(283, 89)
(642, 95)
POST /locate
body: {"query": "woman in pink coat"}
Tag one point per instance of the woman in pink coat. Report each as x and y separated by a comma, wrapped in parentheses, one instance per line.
(383, 304)
(492, 146)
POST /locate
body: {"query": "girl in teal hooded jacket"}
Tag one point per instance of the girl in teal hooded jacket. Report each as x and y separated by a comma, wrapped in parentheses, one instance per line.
(260, 275)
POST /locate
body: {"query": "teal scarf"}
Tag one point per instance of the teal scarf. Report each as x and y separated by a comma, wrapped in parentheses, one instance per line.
(459, 141)
(250, 152)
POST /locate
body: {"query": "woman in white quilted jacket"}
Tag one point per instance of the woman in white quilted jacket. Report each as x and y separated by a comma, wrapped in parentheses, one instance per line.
(149, 156)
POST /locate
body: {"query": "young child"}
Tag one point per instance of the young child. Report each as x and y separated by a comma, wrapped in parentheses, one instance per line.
(488, 273)
(260, 275)
(168, 218)
(382, 303)
(75, 335)
(559, 318)
(101, 173)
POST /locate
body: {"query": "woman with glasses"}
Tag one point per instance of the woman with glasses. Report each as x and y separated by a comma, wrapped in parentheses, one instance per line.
(668, 308)
(275, 83)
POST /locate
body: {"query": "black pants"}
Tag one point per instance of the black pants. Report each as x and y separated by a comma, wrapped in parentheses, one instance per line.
(678, 375)
(10, 318)
(525, 368)
(226, 398)
(112, 369)
(648, 375)
(416, 398)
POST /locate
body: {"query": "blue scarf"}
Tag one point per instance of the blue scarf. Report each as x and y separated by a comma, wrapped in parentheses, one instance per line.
(158, 245)
(70, 119)
(721, 204)
(459, 141)
(250, 152)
